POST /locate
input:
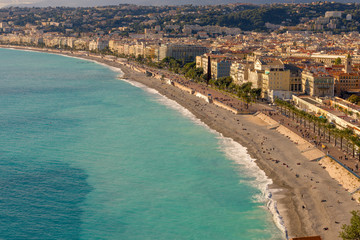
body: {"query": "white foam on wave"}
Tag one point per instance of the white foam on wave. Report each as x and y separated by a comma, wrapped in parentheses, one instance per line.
(234, 151)
(25, 50)
(272, 206)
(239, 154)
(114, 69)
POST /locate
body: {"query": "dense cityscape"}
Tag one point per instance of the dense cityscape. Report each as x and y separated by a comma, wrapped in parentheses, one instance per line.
(301, 60)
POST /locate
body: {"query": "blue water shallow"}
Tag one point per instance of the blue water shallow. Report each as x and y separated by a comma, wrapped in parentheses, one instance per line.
(86, 156)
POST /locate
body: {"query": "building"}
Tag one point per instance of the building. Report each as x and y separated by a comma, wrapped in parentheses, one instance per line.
(346, 79)
(334, 14)
(320, 106)
(255, 77)
(327, 59)
(275, 76)
(220, 65)
(113, 45)
(151, 51)
(3, 25)
(98, 44)
(239, 72)
(317, 83)
(181, 52)
(295, 78)
(220, 68)
(271, 76)
(345, 82)
(81, 44)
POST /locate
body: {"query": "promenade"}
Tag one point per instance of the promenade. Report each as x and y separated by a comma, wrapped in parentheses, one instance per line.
(344, 155)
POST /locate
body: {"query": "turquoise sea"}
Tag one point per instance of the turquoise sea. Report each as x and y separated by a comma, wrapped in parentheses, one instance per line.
(87, 156)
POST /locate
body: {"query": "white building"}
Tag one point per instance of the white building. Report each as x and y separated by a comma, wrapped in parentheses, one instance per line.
(336, 14)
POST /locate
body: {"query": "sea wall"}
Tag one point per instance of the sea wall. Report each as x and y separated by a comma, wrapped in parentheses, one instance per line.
(182, 87)
(202, 96)
(307, 149)
(266, 118)
(157, 76)
(206, 98)
(349, 181)
(222, 105)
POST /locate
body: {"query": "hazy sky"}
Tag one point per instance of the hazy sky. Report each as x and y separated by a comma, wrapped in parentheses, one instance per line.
(45, 3)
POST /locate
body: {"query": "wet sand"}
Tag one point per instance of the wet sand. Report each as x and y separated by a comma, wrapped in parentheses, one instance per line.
(308, 199)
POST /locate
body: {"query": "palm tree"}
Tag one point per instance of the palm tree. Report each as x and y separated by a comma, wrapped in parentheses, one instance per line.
(358, 147)
(354, 140)
(304, 115)
(347, 133)
(319, 124)
(322, 123)
(313, 119)
(330, 128)
(342, 134)
(336, 134)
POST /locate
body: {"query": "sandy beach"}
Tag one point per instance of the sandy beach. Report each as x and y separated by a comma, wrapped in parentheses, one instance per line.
(310, 201)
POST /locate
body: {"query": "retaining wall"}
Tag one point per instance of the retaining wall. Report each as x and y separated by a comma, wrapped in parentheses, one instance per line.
(222, 105)
(182, 87)
(206, 98)
(347, 179)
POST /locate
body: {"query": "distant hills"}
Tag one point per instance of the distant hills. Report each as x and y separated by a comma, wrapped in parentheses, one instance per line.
(92, 3)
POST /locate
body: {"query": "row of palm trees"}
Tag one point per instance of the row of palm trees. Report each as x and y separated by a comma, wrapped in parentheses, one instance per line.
(323, 127)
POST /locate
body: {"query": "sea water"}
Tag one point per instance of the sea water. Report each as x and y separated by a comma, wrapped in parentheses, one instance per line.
(87, 156)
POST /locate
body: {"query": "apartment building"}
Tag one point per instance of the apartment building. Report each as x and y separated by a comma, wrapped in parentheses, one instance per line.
(274, 77)
(346, 79)
(295, 78)
(151, 51)
(345, 82)
(317, 83)
(271, 75)
(239, 72)
(327, 59)
(186, 52)
(220, 68)
(220, 65)
(98, 44)
(114, 44)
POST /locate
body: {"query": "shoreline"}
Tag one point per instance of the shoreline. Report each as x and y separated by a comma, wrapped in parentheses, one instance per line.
(267, 193)
(302, 187)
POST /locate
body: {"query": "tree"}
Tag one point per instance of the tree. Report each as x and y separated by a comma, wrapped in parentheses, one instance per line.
(244, 93)
(337, 61)
(354, 99)
(352, 231)
(187, 67)
(223, 82)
